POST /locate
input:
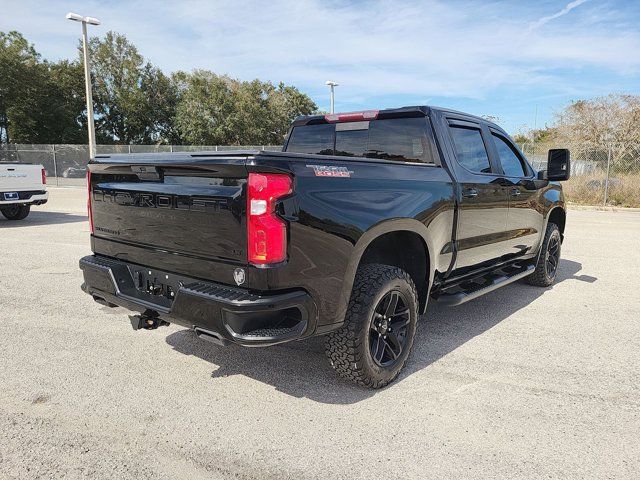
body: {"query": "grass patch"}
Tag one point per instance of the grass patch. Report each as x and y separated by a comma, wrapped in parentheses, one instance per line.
(624, 189)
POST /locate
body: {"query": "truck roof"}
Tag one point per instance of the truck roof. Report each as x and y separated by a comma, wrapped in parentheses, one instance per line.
(414, 111)
(410, 111)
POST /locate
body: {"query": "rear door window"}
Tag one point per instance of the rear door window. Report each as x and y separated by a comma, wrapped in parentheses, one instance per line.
(471, 152)
(402, 139)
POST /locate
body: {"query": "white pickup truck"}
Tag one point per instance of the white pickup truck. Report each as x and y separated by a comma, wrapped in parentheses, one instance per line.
(21, 185)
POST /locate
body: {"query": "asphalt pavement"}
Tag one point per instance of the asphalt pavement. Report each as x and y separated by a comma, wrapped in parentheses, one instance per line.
(523, 382)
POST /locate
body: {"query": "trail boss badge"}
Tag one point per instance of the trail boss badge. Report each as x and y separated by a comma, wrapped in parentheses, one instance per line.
(330, 171)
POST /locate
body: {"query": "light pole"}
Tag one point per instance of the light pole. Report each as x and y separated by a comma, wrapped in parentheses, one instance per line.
(331, 84)
(87, 76)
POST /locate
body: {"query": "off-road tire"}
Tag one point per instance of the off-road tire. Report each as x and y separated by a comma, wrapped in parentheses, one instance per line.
(541, 276)
(348, 348)
(16, 212)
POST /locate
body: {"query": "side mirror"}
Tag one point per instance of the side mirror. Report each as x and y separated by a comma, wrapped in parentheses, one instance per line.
(558, 164)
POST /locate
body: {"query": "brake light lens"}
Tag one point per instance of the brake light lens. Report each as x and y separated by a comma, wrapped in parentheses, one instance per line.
(352, 116)
(44, 176)
(89, 210)
(266, 232)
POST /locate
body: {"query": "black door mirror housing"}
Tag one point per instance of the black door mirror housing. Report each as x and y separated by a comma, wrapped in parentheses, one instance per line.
(558, 164)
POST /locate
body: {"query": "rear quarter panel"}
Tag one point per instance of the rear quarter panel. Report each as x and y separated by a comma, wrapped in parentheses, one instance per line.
(333, 219)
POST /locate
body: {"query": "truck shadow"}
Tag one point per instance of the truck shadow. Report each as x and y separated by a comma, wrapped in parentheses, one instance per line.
(43, 218)
(301, 369)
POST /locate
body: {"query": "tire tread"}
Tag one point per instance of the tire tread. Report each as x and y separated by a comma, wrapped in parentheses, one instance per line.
(539, 276)
(22, 213)
(344, 347)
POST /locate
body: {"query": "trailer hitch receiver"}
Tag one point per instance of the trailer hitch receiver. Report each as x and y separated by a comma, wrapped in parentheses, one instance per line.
(148, 320)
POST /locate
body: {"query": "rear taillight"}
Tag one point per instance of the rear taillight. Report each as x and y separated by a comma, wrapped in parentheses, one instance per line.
(89, 212)
(266, 232)
(44, 176)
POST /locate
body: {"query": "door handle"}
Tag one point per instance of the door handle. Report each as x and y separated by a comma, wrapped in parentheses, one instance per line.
(515, 192)
(469, 192)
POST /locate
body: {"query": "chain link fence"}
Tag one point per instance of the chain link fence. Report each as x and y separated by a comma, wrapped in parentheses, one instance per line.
(66, 165)
(600, 175)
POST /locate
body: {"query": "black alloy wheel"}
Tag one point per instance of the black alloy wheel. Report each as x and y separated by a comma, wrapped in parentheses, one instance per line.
(373, 344)
(548, 261)
(553, 255)
(388, 329)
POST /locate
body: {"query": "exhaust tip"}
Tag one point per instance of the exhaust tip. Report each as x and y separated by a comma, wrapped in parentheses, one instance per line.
(209, 336)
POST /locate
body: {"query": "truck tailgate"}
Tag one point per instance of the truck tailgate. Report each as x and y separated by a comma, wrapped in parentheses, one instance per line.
(18, 177)
(182, 206)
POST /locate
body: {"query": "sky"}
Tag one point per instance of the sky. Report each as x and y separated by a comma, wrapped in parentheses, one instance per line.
(520, 61)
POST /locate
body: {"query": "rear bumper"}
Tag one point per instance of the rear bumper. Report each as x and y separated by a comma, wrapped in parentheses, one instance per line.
(31, 197)
(221, 312)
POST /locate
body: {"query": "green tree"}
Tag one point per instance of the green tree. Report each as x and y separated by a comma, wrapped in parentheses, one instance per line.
(40, 102)
(216, 109)
(66, 101)
(204, 108)
(19, 77)
(161, 94)
(134, 101)
(286, 104)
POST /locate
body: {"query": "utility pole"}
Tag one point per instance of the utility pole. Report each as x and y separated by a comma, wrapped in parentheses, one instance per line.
(87, 76)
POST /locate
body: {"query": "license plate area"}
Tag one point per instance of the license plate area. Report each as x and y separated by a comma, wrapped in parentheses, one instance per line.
(11, 196)
(155, 283)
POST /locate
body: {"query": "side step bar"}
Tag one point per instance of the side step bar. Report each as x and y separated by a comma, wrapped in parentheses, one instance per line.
(466, 290)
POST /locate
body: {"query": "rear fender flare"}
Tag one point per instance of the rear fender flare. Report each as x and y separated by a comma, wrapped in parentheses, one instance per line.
(557, 205)
(387, 226)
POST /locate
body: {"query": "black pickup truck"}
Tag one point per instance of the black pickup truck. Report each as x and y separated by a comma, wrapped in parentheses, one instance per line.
(349, 232)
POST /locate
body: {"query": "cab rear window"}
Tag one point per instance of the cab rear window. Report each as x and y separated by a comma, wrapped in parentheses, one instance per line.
(399, 139)
(314, 139)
